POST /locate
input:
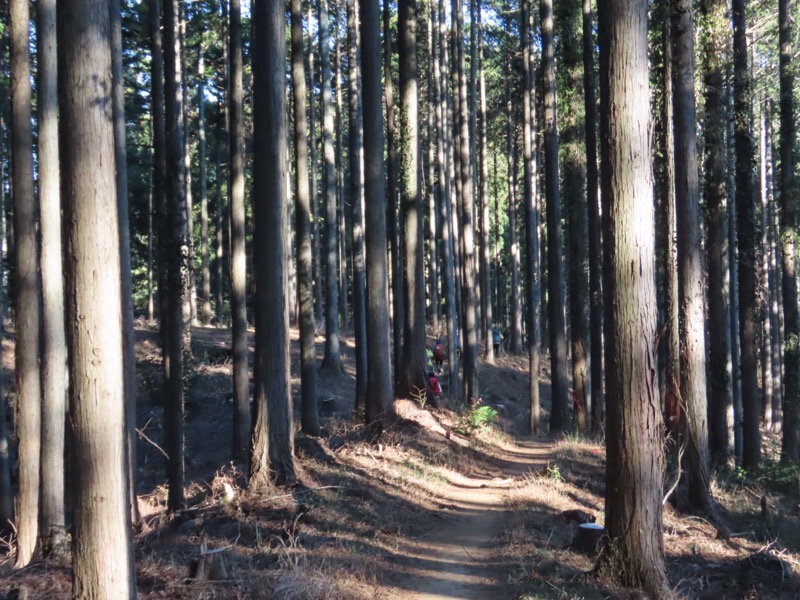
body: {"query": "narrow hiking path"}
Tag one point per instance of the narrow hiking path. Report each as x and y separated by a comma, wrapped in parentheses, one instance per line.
(451, 553)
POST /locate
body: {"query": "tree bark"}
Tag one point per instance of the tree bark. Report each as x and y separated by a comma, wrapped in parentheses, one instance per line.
(332, 360)
(176, 256)
(241, 387)
(102, 546)
(379, 368)
(27, 300)
(746, 233)
(592, 200)
(305, 284)
(357, 208)
(466, 211)
(531, 214)
(573, 124)
(790, 449)
(635, 457)
(391, 199)
(715, 52)
(513, 231)
(412, 375)
(483, 188)
(52, 525)
(273, 433)
(205, 263)
(691, 264)
(559, 364)
(312, 176)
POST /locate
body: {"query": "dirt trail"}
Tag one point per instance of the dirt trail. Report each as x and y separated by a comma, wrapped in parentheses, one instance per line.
(450, 552)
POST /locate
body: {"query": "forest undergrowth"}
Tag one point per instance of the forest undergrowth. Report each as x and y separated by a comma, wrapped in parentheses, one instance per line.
(338, 533)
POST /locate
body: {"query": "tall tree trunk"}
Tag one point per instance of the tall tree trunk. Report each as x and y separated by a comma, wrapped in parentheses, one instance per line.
(746, 233)
(673, 411)
(531, 213)
(357, 208)
(176, 257)
(558, 330)
(312, 175)
(52, 526)
(241, 387)
(412, 376)
(573, 135)
(485, 242)
(128, 336)
(790, 449)
(151, 309)
(593, 204)
(690, 259)
(431, 189)
(443, 200)
(775, 308)
(6, 491)
(379, 367)
(190, 294)
(27, 300)
(766, 291)
(513, 231)
(341, 215)
(102, 548)
(305, 282)
(635, 465)
(332, 360)
(391, 198)
(205, 263)
(715, 41)
(273, 433)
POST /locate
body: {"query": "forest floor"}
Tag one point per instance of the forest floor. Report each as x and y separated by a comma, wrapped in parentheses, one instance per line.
(433, 509)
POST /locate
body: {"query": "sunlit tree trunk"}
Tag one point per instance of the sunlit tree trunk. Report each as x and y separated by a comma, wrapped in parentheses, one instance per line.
(241, 387)
(634, 472)
(483, 188)
(52, 526)
(102, 552)
(205, 263)
(28, 316)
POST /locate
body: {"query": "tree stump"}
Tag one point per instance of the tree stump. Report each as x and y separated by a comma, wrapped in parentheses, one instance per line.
(209, 566)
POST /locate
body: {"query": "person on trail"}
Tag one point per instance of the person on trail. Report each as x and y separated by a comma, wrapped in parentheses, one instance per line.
(435, 386)
(497, 339)
(439, 355)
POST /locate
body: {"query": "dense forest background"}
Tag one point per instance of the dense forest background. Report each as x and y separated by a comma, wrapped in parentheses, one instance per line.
(612, 197)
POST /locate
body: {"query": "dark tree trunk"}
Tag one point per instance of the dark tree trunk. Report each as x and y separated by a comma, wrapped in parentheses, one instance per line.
(241, 387)
(592, 200)
(483, 188)
(312, 175)
(573, 136)
(411, 378)
(691, 262)
(379, 368)
(635, 556)
(746, 233)
(357, 207)
(444, 192)
(52, 526)
(176, 257)
(27, 300)
(531, 215)
(102, 559)
(715, 41)
(466, 211)
(790, 450)
(305, 283)
(272, 458)
(205, 263)
(432, 183)
(391, 198)
(559, 420)
(332, 360)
